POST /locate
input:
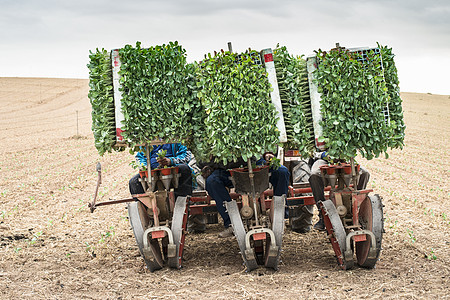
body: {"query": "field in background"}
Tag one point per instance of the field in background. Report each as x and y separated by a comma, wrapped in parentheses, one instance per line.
(52, 247)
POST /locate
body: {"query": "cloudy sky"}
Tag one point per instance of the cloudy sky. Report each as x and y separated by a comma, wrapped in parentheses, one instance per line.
(52, 38)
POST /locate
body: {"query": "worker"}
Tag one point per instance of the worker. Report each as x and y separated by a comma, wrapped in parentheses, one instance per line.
(218, 180)
(317, 184)
(176, 155)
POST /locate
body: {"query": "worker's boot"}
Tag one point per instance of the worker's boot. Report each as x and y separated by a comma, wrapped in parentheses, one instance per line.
(228, 232)
(320, 226)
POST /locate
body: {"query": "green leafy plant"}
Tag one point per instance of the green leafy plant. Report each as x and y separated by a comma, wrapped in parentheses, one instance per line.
(35, 237)
(161, 153)
(102, 101)
(411, 236)
(236, 114)
(292, 77)
(355, 97)
(156, 85)
(138, 165)
(397, 127)
(4, 214)
(274, 163)
(90, 249)
(431, 256)
(107, 234)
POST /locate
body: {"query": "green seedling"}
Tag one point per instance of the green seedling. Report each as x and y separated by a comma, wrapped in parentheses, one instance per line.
(106, 235)
(83, 206)
(393, 225)
(411, 235)
(35, 237)
(431, 256)
(90, 249)
(138, 165)
(161, 153)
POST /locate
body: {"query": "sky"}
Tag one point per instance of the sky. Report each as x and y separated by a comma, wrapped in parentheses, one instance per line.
(52, 38)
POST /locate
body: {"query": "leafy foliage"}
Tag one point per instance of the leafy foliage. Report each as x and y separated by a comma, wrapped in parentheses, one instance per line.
(354, 98)
(157, 93)
(161, 153)
(239, 119)
(102, 101)
(292, 77)
(395, 102)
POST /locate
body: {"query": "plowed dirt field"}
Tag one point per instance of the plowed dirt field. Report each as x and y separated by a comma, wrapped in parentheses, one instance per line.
(52, 247)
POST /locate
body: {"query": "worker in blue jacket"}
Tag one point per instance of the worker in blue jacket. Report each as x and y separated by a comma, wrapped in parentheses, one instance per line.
(176, 155)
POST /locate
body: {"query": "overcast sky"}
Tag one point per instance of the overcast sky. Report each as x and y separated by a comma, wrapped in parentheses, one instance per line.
(52, 38)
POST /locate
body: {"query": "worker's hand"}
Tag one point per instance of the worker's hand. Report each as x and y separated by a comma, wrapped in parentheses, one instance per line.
(164, 161)
(268, 157)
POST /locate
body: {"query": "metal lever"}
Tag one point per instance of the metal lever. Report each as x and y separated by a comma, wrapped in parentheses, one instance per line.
(99, 181)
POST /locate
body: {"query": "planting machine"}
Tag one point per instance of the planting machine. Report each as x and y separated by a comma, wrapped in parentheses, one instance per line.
(353, 218)
(158, 219)
(257, 228)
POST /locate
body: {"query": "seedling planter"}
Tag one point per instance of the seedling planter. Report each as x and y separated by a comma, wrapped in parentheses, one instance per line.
(331, 170)
(165, 171)
(241, 179)
(347, 169)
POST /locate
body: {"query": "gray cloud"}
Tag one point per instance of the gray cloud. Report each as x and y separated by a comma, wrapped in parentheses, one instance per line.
(53, 37)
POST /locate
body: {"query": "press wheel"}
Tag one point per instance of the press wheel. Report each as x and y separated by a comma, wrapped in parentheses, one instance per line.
(179, 221)
(277, 219)
(140, 221)
(370, 218)
(336, 233)
(239, 232)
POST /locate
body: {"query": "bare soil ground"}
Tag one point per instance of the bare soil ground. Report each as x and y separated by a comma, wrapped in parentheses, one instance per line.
(52, 247)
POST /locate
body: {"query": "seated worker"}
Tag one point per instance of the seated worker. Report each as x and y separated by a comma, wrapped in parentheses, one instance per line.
(177, 155)
(218, 180)
(317, 185)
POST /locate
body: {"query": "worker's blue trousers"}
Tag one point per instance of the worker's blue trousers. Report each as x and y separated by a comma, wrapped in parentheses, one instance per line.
(219, 180)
